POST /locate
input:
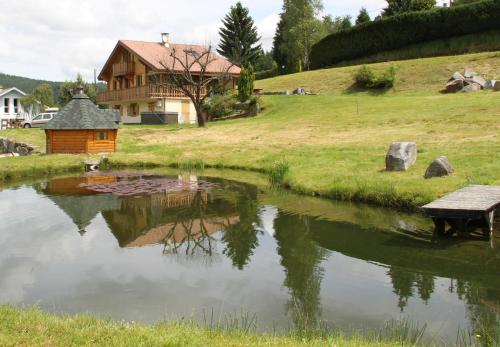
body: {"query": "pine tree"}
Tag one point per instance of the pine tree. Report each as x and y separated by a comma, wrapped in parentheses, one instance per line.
(239, 37)
(363, 17)
(278, 54)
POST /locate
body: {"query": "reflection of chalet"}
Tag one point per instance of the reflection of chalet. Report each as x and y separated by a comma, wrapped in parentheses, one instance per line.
(177, 233)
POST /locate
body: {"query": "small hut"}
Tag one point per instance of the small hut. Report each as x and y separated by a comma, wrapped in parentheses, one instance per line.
(81, 127)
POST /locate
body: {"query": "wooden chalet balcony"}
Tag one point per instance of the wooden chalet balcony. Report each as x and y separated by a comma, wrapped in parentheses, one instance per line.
(123, 69)
(141, 93)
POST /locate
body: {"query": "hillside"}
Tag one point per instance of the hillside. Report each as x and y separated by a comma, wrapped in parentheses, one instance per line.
(333, 144)
(428, 74)
(26, 84)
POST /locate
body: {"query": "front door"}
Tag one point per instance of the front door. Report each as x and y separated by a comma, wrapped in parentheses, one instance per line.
(185, 111)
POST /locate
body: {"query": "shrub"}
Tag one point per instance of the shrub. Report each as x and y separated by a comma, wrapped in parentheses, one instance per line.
(245, 84)
(402, 30)
(366, 78)
(219, 105)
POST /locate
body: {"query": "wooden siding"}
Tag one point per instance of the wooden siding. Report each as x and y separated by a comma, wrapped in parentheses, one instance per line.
(79, 141)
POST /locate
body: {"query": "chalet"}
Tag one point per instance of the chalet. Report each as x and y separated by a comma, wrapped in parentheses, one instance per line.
(10, 104)
(131, 89)
(81, 127)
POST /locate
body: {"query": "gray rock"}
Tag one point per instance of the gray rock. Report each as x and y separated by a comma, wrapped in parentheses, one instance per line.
(469, 73)
(401, 156)
(476, 79)
(3, 145)
(457, 76)
(496, 86)
(22, 150)
(438, 168)
(489, 84)
(474, 87)
(454, 86)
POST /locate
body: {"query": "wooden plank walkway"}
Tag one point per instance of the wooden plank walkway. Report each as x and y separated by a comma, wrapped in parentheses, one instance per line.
(471, 203)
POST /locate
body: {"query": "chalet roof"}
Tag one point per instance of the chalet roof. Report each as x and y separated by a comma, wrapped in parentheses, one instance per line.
(82, 113)
(156, 55)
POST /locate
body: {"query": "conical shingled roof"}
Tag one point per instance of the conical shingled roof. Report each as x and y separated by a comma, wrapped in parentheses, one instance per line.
(82, 113)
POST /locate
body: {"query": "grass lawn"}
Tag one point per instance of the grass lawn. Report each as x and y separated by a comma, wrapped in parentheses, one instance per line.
(31, 327)
(332, 144)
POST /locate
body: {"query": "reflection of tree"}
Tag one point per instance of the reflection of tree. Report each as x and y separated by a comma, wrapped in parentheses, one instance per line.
(402, 282)
(425, 286)
(241, 238)
(300, 256)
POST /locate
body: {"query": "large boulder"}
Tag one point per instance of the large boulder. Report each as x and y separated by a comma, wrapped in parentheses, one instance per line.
(496, 86)
(469, 73)
(401, 156)
(476, 79)
(454, 86)
(473, 87)
(439, 167)
(489, 84)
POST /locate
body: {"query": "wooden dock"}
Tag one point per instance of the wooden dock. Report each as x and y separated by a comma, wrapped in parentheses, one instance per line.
(470, 204)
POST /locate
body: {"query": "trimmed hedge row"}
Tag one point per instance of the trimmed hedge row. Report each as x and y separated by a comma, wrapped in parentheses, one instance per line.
(405, 29)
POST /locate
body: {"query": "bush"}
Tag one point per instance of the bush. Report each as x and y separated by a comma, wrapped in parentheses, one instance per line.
(402, 30)
(366, 78)
(219, 105)
(260, 75)
(245, 84)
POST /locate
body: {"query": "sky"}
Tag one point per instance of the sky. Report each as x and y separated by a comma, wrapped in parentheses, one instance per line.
(56, 39)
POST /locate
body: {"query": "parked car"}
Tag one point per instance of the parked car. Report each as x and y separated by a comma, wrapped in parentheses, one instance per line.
(38, 121)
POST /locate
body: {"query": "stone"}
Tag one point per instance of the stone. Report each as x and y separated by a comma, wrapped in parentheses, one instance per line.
(496, 86)
(3, 145)
(454, 86)
(438, 168)
(401, 156)
(469, 73)
(22, 150)
(474, 87)
(476, 79)
(299, 91)
(91, 165)
(457, 76)
(489, 84)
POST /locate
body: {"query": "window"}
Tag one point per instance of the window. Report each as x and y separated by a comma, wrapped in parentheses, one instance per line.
(6, 105)
(133, 110)
(16, 105)
(138, 80)
(151, 107)
(127, 83)
(101, 135)
(39, 117)
(47, 116)
(115, 85)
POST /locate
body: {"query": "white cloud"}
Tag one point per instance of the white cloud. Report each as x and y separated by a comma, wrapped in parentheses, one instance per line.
(56, 39)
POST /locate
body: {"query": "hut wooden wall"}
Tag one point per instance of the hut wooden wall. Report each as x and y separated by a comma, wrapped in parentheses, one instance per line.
(80, 141)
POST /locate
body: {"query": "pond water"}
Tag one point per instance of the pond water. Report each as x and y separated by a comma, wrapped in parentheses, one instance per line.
(152, 248)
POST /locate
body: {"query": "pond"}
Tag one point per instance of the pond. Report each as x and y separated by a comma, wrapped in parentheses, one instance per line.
(168, 247)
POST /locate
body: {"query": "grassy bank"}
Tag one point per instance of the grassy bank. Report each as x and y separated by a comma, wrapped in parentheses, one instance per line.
(32, 327)
(333, 144)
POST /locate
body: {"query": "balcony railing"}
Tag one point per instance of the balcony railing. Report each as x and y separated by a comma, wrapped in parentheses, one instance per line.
(123, 69)
(141, 93)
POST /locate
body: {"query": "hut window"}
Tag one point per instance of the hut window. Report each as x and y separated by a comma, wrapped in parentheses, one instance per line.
(101, 135)
(6, 102)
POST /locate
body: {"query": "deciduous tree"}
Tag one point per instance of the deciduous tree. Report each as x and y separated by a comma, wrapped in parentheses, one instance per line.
(395, 7)
(67, 88)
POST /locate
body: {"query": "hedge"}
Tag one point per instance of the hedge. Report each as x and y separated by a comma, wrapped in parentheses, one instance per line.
(405, 29)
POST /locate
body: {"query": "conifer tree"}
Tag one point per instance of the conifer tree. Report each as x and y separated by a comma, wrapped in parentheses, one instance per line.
(363, 17)
(239, 37)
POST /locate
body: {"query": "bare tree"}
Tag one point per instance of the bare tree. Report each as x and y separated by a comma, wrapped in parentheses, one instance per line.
(196, 73)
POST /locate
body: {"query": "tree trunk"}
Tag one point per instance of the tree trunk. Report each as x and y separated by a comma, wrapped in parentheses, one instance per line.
(200, 118)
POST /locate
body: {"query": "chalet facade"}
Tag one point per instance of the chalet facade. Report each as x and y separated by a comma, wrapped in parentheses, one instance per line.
(131, 88)
(10, 103)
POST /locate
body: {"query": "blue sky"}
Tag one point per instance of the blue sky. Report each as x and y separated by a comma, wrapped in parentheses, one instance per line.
(56, 39)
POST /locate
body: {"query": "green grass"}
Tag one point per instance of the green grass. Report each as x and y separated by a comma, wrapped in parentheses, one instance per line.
(332, 144)
(32, 327)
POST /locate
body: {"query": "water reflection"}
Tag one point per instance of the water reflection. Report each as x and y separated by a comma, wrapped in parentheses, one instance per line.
(291, 260)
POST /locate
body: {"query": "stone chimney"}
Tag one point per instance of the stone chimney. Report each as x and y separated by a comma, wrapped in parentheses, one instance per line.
(165, 39)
